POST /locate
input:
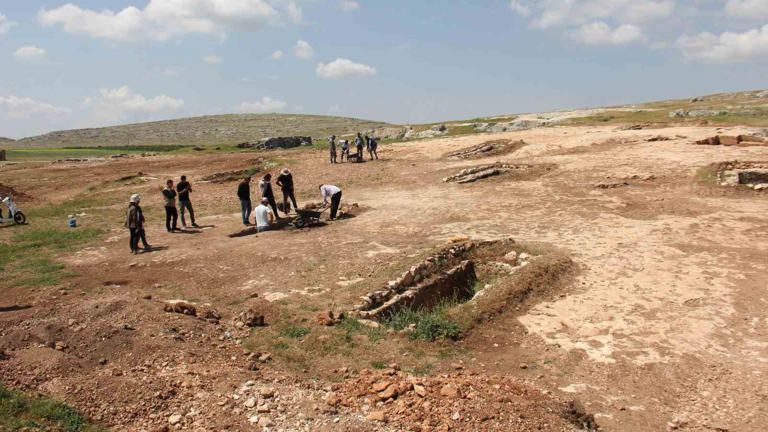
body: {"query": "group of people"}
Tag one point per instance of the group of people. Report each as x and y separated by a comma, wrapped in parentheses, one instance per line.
(369, 143)
(135, 218)
(265, 214)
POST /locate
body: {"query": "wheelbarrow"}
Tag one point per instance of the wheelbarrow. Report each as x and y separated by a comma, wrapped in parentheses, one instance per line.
(307, 218)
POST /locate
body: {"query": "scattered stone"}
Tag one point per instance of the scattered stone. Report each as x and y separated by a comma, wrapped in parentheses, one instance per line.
(181, 308)
(250, 402)
(175, 419)
(60, 346)
(250, 318)
(450, 391)
(379, 416)
(329, 318)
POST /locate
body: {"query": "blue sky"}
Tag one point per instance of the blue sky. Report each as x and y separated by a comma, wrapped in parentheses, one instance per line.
(93, 63)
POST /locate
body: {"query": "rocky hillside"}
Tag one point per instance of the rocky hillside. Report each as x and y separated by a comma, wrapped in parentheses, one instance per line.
(4, 140)
(203, 131)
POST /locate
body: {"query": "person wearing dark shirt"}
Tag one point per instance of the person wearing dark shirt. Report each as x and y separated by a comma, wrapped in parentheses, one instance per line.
(184, 188)
(372, 148)
(332, 148)
(135, 224)
(244, 193)
(285, 181)
(171, 215)
(265, 185)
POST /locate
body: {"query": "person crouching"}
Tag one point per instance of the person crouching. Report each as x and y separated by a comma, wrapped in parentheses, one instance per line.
(264, 216)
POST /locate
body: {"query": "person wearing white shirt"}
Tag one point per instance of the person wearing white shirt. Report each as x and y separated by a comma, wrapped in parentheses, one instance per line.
(333, 194)
(264, 216)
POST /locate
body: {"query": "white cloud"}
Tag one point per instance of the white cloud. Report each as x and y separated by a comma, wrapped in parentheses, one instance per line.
(303, 50)
(29, 51)
(519, 8)
(561, 13)
(725, 47)
(600, 33)
(22, 108)
(277, 55)
(349, 5)
(5, 24)
(294, 11)
(213, 59)
(167, 19)
(341, 68)
(122, 104)
(756, 9)
(264, 105)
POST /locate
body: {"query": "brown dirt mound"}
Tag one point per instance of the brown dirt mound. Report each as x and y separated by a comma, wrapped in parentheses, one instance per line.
(6, 190)
(457, 401)
(236, 175)
(488, 148)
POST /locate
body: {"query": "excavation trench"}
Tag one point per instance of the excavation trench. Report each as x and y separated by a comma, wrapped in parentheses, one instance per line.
(458, 274)
(750, 174)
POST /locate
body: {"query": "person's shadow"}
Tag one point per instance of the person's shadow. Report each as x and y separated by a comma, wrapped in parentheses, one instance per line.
(154, 249)
(14, 308)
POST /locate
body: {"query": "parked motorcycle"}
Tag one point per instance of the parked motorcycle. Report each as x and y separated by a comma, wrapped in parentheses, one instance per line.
(15, 215)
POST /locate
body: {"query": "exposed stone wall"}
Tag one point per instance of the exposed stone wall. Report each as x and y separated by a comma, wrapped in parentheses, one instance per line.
(456, 283)
(449, 274)
(279, 142)
(484, 171)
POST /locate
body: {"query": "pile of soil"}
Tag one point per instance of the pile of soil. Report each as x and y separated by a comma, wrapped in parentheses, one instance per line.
(236, 175)
(456, 401)
(6, 190)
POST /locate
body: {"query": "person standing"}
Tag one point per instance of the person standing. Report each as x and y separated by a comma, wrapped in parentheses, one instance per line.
(244, 193)
(135, 224)
(285, 181)
(359, 146)
(263, 216)
(344, 149)
(333, 194)
(372, 147)
(266, 191)
(332, 148)
(184, 188)
(171, 215)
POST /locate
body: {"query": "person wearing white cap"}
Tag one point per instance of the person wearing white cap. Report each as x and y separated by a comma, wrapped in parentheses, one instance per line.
(135, 224)
(263, 215)
(285, 181)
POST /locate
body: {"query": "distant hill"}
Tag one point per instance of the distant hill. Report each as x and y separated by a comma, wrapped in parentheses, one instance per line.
(203, 131)
(4, 140)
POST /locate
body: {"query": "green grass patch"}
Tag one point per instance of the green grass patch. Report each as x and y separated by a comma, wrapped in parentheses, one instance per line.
(351, 326)
(428, 325)
(294, 332)
(19, 412)
(42, 153)
(378, 365)
(26, 258)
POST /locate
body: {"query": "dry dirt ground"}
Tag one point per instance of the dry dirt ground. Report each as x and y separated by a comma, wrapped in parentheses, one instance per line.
(662, 324)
